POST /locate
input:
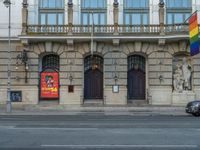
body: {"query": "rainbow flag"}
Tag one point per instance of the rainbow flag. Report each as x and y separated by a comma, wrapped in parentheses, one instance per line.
(194, 34)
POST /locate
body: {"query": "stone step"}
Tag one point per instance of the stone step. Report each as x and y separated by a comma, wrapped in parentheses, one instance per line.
(93, 102)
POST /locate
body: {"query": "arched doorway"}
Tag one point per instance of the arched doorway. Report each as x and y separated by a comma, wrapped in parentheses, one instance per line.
(93, 77)
(136, 77)
(49, 78)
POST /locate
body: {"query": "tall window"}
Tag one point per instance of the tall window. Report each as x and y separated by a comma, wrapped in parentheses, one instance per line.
(51, 12)
(136, 12)
(178, 11)
(95, 7)
(50, 62)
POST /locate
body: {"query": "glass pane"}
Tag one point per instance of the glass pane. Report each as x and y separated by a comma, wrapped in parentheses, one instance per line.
(127, 19)
(51, 19)
(59, 3)
(178, 3)
(145, 19)
(178, 18)
(86, 3)
(128, 3)
(42, 19)
(170, 3)
(93, 3)
(136, 20)
(60, 19)
(102, 19)
(146, 3)
(44, 3)
(95, 18)
(40, 3)
(101, 3)
(189, 3)
(136, 3)
(52, 3)
(84, 18)
(187, 15)
(169, 18)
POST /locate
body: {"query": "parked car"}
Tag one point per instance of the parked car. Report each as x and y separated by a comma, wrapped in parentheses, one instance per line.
(193, 108)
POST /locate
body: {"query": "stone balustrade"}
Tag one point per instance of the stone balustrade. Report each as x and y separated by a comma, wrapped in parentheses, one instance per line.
(105, 29)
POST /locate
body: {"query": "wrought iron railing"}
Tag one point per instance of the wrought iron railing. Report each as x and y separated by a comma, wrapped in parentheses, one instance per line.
(107, 29)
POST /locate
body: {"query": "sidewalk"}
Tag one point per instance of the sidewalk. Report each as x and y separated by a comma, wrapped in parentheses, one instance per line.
(81, 110)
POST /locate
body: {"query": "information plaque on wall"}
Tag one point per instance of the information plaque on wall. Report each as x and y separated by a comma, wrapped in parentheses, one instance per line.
(71, 89)
(16, 96)
(115, 88)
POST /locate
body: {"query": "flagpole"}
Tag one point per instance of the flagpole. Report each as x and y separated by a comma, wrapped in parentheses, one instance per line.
(190, 16)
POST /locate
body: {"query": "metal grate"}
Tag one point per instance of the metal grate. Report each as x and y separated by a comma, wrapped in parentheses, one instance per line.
(50, 62)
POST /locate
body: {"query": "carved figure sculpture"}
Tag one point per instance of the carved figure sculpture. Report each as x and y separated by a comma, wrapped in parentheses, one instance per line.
(178, 79)
(186, 68)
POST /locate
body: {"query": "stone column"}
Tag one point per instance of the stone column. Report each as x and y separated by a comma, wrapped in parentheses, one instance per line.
(24, 17)
(115, 16)
(70, 16)
(161, 16)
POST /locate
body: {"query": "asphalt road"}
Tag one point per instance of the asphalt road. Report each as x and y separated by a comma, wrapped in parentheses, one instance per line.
(97, 131)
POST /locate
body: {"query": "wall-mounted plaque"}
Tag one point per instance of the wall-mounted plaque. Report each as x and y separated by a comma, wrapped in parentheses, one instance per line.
(115, 88)
(71, 89)
(16, 96)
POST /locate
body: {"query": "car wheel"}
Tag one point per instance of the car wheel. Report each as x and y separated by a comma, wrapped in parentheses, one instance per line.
(196, 114)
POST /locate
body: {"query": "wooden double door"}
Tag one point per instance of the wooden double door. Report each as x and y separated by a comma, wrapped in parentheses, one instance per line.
(93, 77)
(136, 77)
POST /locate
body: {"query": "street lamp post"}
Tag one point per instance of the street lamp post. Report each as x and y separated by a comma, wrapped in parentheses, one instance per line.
(7, 3)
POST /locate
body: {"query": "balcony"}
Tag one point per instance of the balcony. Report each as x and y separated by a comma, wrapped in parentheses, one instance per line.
(105, 29)
(105, 32)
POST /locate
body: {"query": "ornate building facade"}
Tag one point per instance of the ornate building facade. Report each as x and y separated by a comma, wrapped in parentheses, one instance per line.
(100, 51)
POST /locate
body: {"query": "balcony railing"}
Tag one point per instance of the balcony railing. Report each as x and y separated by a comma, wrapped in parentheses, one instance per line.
(106, 29)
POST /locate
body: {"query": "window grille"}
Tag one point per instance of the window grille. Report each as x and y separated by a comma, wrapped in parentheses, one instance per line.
(50, 62)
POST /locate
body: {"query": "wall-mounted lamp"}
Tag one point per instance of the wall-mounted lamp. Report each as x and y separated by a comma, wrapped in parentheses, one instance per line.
(115, 77)
(71, 78)
(161, 62)
(22, 58)
(161, 78)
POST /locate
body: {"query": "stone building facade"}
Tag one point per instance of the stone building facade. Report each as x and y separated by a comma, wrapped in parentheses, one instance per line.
(118, 64)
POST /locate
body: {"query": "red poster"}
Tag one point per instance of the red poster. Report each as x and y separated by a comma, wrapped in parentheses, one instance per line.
(49, 85)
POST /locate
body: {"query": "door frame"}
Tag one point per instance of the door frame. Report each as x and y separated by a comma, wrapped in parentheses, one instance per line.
(83, 85)
(146, 74)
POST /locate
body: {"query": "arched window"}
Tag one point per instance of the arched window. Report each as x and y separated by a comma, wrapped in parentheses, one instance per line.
(50, 62)
(93, 62)
(136, 61)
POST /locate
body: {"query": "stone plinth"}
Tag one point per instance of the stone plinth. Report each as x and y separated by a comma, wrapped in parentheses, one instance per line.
(181, 99)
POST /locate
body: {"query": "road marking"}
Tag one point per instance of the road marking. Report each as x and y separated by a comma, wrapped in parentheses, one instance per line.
(122, 146)
(7, 127)
(69, 129)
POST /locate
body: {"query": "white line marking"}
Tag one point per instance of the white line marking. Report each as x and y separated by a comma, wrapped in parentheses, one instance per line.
(123, 146)
(68, 129)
